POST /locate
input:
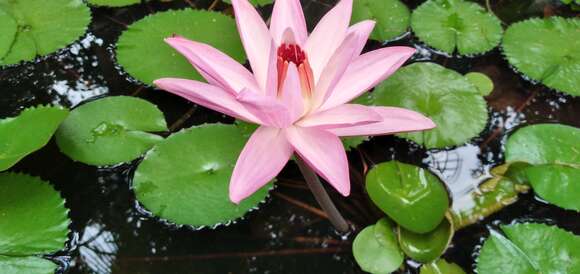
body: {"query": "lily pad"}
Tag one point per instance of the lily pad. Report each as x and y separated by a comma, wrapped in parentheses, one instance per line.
(143, 54)
(410, 195)
(114, 3)
(39, 31)
(27, 132)
(546, 50)
(185, 178)
(8, 28)
(29, 264)
(441, 267)
(447, 97)
(481, 82)
(376, 250)
(110, 130)
(554, 152)
(34, 218)
(391, 16)
(256, 3)
(530, 248)
(450, 25)
(426, 247)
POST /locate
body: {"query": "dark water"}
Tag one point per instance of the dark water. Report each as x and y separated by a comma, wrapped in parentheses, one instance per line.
(110, 234)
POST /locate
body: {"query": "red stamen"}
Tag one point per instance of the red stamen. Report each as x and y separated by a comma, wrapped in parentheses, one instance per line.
(292, 53)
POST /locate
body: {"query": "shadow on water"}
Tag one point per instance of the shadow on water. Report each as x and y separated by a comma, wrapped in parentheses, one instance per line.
(111, 234)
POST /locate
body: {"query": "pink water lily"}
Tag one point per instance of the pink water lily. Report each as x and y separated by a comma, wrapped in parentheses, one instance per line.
(299, 91)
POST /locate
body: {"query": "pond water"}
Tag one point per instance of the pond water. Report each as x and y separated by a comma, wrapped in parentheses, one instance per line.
(112, 234)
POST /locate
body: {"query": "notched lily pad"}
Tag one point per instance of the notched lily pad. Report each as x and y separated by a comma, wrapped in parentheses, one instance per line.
(546, 50)
(426, 247)
(376, 250)
(530, 248)
(110, 130)
(443, 95)
(114, 3)
(410, 195)
(27, 132)
(185, 179)
(39, 32)
(145, 38)
(450, 25)
(28, 264)
(391, 16)
(34, 218)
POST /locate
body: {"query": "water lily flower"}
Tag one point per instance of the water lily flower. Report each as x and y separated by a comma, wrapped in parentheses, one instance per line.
(298, 91)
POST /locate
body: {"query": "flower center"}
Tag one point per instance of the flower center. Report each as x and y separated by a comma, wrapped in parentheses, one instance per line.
(292, 53)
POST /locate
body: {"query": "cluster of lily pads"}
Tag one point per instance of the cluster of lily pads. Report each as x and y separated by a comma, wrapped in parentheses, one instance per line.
(182, 177)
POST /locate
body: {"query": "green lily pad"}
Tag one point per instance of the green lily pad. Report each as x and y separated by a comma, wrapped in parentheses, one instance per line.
(39, 31)
(29, 264)
(450, 25)
(114, 3)
(554, 152)
(144, 38)
(441, 267)
(34, 218)
(110, 130)
(481, 82)
(410, 195)
(443, 95)
(8, 28)
(546, 50)
(27, 132)
(530, 248)
(391, 16)
(426, 247)
(376, 250)
(256, 3)
(185, 178)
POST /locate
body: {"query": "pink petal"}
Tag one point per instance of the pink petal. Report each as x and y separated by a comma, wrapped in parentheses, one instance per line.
(363, 29)
(208, 96)
(257, 42)
(323, 152)
(288, 14)
(263, 157)
(367, 71)
(268, 109)
(341, 116)
(291, 93)
(395, 120)
(218, 68)
(327, 36)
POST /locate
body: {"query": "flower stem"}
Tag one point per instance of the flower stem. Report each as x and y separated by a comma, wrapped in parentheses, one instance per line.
(322, 197)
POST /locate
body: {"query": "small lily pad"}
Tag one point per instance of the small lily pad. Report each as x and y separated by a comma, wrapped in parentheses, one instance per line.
(110, 130)
(27, 132)
(553, 150)
(443, 95)
(114, 3)
(441, 267)
(410, 195)
(185, 178)
(34, 218)
(481, 82)
(391, 16)
(426, 247)
(376, 250)
(256, 3)
(142, 52)
(546, 50)
(530, 248)
(39, 31)
(28, 264)
(450, 25)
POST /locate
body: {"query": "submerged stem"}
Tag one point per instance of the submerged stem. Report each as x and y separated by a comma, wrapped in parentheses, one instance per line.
(322, 196)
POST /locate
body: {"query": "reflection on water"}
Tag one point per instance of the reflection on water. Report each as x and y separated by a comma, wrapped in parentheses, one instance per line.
(97, 248)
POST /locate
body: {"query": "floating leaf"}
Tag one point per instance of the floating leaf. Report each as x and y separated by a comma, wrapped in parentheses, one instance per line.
(111, 130)
(29, 264)
(530, 248)
(410, 195)
(391, 16)
(450, 25)
(43, 27)
(554, 150)
(428, 246)
(256, 3)
(144, 38)
(114, 3)
(443, 95)
(375, 248)
(34, 219)
(546, 50)
(185, 178)
(481, 82)
(8, 28)
(441, 267)
(27, 132)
